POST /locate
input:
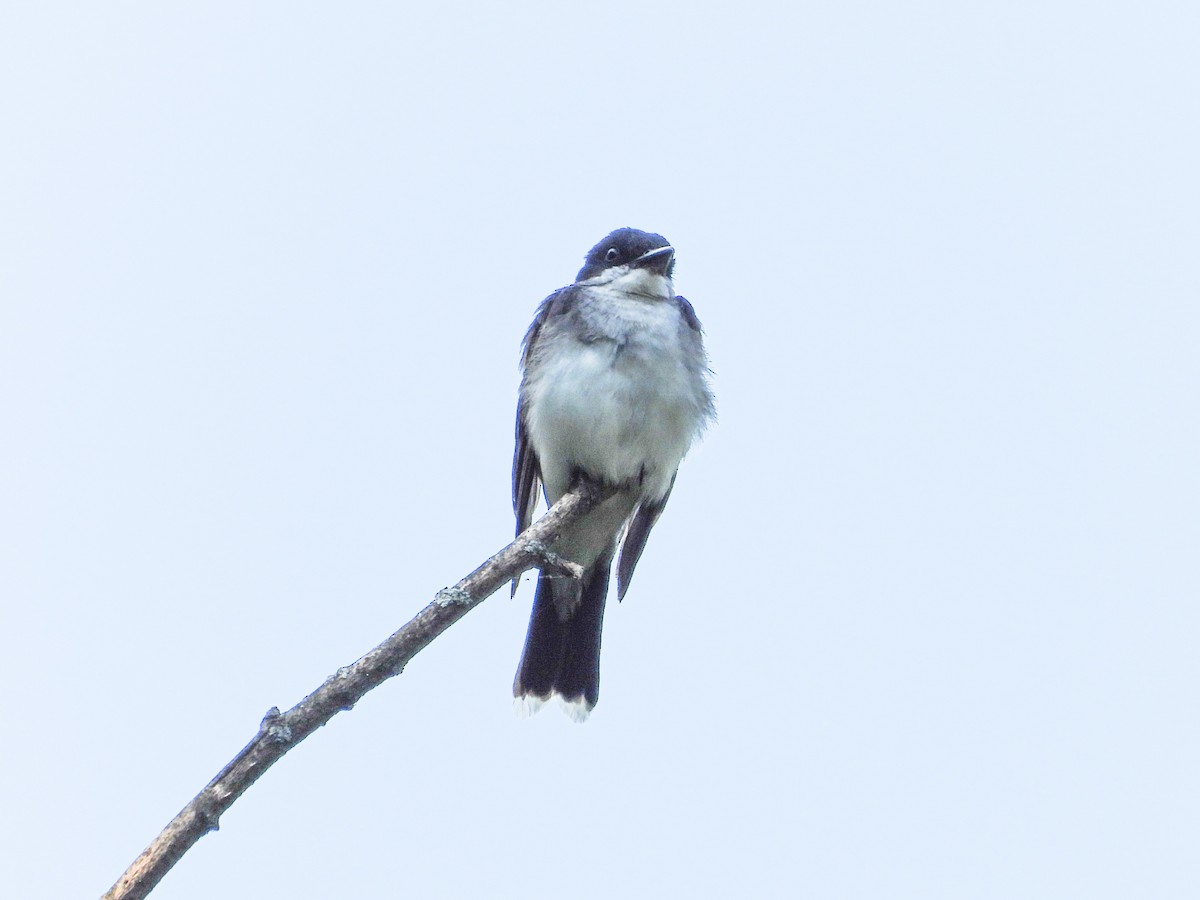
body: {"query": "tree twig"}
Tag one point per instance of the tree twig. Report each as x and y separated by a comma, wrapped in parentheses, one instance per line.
(279, 732)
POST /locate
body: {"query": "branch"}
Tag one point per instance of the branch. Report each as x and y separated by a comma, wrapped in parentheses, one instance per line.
(279, 732)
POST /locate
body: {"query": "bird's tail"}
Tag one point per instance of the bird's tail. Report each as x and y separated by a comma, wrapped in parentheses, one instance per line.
(562, 652)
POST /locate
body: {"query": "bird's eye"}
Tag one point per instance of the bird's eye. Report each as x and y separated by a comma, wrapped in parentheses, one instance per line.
(613, 254)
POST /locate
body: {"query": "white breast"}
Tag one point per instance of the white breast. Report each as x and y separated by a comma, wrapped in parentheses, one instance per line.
(621, 407)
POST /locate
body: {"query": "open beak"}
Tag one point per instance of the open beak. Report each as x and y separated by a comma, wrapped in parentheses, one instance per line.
(658, 260)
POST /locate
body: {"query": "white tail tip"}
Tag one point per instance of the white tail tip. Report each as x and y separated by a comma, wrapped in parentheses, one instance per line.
(526, 705)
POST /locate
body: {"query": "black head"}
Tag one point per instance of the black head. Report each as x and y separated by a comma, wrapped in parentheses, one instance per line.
(629, 247)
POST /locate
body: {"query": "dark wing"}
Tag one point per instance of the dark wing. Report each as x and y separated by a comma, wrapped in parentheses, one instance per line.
(527, 473)
(527, 476)
(635, 540)
(689, 314)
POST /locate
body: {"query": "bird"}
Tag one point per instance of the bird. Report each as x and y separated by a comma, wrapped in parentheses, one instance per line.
(615, 387)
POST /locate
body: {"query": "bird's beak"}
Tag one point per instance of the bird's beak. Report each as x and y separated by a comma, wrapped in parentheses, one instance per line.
(658, 260)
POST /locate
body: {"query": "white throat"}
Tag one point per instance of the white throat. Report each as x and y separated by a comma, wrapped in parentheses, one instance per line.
(628, 280)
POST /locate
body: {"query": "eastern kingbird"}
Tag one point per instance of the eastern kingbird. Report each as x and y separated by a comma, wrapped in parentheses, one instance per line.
(615, 387)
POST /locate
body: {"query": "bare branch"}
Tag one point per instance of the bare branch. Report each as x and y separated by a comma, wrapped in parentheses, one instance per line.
(279, 732)
(548, 559)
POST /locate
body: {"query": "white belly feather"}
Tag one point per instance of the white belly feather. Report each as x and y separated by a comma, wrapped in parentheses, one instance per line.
(618, 409)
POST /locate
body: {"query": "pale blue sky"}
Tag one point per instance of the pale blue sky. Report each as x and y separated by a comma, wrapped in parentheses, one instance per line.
(921, 618)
